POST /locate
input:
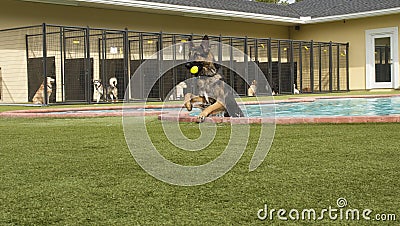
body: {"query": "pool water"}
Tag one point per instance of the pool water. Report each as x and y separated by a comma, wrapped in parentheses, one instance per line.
(325, 107)
(318, 108)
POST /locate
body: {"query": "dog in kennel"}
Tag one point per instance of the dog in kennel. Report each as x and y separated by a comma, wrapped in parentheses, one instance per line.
(39, 98)
(101, 93)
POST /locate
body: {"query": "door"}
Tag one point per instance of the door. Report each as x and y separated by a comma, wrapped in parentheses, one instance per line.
(382, 69)
(114, 68)
(76, 80)
(35, 76)
(77, 66)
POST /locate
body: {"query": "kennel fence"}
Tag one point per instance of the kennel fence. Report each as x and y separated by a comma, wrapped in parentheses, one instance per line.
(75, 56)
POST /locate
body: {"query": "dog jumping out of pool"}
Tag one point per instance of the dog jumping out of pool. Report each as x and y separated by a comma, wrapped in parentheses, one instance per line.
(214, 96)
(100, 91)
(38, 98)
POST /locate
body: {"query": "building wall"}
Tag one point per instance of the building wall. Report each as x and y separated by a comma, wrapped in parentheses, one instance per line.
(19, 13)
(352, 31)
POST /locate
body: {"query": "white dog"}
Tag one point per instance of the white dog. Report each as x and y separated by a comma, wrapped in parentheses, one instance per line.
(112, 90)
(98, 90)
(295, 91)
(179, 91)
(251, 92)
(39, 95)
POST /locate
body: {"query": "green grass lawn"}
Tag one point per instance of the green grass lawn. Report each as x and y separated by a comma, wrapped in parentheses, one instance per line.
(80, 171)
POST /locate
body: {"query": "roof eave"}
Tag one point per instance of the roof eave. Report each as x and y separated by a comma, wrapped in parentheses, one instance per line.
(190, 11)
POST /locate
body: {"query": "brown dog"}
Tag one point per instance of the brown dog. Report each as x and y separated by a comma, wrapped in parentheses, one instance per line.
(39, 95)
(214, 96)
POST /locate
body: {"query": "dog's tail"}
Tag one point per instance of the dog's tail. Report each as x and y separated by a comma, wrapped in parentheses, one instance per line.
(113, 82)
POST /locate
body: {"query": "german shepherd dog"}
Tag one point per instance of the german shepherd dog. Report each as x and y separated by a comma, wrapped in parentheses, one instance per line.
(215, 97)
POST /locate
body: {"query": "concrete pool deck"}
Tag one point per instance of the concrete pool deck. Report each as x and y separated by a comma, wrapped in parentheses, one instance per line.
(185, 117)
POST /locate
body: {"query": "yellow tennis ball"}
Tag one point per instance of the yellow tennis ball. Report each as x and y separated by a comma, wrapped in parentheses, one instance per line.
(194, 70)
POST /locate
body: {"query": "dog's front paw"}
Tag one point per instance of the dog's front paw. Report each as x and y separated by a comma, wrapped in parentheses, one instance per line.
(188, 105)
(201, 118)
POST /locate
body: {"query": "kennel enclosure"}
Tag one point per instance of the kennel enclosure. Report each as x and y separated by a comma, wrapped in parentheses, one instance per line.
(75, 56)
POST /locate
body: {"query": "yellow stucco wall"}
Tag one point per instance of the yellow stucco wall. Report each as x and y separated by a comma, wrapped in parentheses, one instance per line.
(18, 13)
(352, 31)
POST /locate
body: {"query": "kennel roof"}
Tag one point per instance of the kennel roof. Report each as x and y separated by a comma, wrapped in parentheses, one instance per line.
(326, 8)
(306, 11)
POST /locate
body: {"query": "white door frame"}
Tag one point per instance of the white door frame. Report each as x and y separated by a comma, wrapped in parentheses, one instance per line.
(370, 35)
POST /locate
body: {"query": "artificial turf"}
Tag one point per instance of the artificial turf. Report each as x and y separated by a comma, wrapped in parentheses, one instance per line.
(80, 172)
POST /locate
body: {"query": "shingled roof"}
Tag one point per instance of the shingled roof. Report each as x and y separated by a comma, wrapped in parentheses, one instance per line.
(306, 11)
(326, 8)
(235, 5)
(305, 8)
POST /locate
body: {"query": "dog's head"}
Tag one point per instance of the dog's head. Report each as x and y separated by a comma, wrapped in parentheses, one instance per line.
(50, 80)
(201, 60)
(96, 83)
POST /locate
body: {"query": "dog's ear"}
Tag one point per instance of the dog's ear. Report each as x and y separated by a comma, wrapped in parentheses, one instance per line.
(205, 44)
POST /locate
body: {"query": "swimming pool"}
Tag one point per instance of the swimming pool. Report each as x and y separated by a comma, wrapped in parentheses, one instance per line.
(324, 107)
(316, 108)
(379, 108)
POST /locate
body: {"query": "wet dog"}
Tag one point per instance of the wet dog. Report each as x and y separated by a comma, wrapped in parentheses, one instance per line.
(214, 97)
(38, 98)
